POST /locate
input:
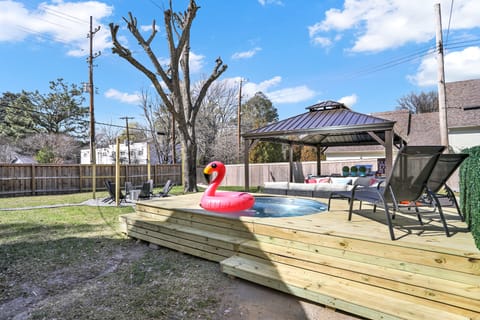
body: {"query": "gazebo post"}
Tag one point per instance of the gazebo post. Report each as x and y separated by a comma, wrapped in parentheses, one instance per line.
(319, 159)
(388, 152)
(246, 151)
(290, 151)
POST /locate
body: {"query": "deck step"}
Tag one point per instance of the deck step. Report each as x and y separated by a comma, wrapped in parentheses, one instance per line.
(202, 243)
(358, 298)
(370, 272)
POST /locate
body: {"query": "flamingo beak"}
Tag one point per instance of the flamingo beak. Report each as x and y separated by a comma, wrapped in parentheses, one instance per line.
(207, 172)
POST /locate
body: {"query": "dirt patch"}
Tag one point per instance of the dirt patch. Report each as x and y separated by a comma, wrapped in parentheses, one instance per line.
(130, 279)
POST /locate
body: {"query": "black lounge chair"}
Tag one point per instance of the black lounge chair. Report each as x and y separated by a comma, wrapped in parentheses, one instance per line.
(128, 189)
(443, 170)
(111, 192)
(404, 187)
(146, 191)
(166, 189)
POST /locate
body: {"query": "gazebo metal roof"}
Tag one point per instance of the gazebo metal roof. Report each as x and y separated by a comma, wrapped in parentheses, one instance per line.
(328, 123)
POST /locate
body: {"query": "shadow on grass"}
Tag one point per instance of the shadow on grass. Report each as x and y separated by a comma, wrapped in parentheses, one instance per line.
(90, 271)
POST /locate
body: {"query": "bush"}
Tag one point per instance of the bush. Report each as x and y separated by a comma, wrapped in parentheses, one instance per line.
(353, 171)
(362, 171)
(470, 191)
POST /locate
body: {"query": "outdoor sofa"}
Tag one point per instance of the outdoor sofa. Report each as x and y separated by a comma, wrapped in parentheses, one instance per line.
(320, 188)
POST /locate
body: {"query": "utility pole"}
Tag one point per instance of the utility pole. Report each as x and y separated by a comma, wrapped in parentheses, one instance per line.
(93, 160)
(128, 136)
(239, 121)
(442, 100)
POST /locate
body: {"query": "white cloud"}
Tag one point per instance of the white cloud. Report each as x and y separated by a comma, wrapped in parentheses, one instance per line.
(291, 95)
(148, 28)
(322, 41)
(349, 101)
(123, 97)
(64, 22)
(267, 2)
(459, 65)
(284, 95)
(196, 62)
(382, 24)
(246, 54)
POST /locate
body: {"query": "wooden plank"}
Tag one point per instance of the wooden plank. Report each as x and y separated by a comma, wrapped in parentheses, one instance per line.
(194, 234)
(462, 295)
(181, 242)
(196, 215)
(244, 234)
(192, 251)
(390, 250)
(377, 299)
(457, 276)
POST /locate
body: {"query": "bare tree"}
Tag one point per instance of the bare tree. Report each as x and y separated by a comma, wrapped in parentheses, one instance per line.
(423, 102)
(216, 124)
(159, 125)
(107, 135)
(64, 148)
(176, 95)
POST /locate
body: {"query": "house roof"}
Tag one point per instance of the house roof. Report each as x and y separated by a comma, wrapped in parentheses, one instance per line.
(463, 111)
(328, 123)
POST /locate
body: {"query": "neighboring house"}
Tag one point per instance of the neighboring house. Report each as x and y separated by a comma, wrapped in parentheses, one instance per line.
(463, 119)
(138, 154)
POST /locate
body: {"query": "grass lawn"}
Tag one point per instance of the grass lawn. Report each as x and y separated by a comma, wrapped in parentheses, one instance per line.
(72, 263)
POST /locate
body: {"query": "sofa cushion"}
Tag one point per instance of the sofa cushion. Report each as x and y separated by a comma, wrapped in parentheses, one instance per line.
(341, 180)
(332, 187)
(276, 185)
(302, 186)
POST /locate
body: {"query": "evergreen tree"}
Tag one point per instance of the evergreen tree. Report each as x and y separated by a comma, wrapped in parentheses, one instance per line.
(61, 110)
(17, 115)
(257, 112)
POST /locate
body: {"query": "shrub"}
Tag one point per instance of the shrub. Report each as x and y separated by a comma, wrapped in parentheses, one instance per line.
(345, 171)
(362, 171)
(470, 191)
(354, 171)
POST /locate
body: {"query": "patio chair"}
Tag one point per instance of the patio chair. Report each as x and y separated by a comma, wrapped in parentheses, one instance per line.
(111, 192)
(443, 170)
(405, 185)
(128, 189)
(166, 189)
(146, 191)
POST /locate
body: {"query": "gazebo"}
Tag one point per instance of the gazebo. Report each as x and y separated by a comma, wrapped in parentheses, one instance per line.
(326, 124)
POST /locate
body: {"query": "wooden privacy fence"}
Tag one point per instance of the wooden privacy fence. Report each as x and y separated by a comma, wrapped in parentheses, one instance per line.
(279, 171)
(43, 179)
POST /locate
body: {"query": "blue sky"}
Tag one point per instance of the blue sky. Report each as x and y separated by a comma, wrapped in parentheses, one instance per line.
(364, 53)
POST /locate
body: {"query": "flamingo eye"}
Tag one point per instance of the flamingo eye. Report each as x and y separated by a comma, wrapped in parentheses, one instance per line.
(214, 165)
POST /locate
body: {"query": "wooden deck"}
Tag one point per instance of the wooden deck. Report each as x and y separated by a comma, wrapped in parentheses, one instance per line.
(348, 265)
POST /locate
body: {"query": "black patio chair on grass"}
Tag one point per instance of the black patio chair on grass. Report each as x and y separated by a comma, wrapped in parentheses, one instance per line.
(111, 192)
(166, 189)
(405, 185)
(146, 191)
(443, 170)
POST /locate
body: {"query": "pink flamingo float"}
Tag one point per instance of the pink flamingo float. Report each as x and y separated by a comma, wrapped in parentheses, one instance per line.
(222, 201)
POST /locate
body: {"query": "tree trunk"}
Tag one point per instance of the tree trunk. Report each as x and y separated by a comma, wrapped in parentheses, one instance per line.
(189, 156)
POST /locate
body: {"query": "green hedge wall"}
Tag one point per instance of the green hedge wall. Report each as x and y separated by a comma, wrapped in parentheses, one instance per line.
(470, 191)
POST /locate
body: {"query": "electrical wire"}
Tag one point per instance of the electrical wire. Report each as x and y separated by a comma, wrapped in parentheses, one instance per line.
(449, 21)
(84, 122)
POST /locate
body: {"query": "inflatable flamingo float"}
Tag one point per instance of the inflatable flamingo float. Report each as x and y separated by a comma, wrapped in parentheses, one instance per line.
(222, 201)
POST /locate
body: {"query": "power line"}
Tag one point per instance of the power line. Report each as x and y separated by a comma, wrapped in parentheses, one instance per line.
(449, 21)
(84, 122)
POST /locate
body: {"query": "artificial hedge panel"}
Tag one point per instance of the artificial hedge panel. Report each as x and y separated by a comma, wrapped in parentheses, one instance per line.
(470, 191)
